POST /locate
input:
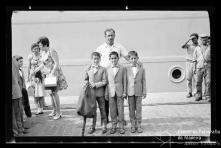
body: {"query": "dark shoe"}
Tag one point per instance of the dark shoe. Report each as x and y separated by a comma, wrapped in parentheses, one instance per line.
(113, 130)
(91, 131)
(139, 130)
(122, 131)
(189, 95)
(133, 130)
(104, 130)
(198, 98)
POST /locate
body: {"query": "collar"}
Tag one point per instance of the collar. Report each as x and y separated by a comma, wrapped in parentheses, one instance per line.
(106, 45)
(134, 65)
(94, 66)
(117, 66)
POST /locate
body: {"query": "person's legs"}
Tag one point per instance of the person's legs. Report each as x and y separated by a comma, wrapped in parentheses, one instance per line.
(138, 113)
(107, 109)
(113, 113)
(189, 74)
(131, 102)
(53, 113)
(199, 80)
(17, 124)
(36, 101)
(41, 104)
(101, 104)
(207, 83)
(120, 108)
(57, 105)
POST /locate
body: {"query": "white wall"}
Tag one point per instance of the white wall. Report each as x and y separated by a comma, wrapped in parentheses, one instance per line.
(156, 35)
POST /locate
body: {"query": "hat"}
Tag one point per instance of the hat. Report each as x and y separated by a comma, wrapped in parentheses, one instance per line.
(204, 36)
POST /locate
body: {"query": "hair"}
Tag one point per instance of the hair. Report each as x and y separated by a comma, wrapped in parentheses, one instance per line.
(109, 30)
(34, 45)
(130, 53)
(39, 75)
(17, 57)
(195, 34)
(95, 54)
(113, 53)
(43, 40)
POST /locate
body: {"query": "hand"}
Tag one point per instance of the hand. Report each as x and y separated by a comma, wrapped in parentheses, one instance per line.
(91, 85)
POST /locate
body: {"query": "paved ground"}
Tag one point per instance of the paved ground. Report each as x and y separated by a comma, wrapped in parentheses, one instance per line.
(165, 114)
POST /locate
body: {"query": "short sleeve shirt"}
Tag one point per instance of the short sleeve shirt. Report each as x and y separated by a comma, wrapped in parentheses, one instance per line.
(190, 51)
(105, 50)
(199, 54)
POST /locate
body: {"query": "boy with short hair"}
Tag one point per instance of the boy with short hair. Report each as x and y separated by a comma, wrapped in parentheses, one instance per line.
(95, 76)
(116, 91)
(136, 91)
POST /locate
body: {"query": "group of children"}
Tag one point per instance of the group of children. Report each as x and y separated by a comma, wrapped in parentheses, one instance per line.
(116, 83)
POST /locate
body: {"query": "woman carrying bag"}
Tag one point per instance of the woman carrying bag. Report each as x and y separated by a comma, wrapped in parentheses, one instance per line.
(51, 69)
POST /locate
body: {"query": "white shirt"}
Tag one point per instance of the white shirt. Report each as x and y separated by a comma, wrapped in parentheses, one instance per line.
(104, 49)
(190, 51)
(199, 54)
(134, 69)
(114, 70)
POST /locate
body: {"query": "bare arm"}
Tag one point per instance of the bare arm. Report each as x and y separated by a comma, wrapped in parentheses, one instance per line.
(186, 44)
(54, 56)
(29, 67)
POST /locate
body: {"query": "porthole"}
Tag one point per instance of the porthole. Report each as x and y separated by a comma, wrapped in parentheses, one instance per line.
(176, 74)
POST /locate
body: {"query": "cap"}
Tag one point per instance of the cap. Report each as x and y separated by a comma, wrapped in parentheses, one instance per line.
(204, 36)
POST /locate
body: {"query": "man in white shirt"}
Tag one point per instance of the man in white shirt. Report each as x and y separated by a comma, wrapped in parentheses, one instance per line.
(189, 63)
(202, 68)
(105, 49)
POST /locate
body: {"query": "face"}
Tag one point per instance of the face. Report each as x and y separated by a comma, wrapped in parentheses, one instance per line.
(133, 59)
(114, 59)
(41, 46)
(195, 40)
(36, 50)
(20, 63)
(204, 41)
(110, 35)
(96, 60)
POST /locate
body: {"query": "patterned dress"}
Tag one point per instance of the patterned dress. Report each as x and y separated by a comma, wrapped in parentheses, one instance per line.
(48, 67)
(35, 61)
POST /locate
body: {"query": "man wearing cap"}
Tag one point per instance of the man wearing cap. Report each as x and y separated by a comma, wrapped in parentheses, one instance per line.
(190, 63)
(202, 68)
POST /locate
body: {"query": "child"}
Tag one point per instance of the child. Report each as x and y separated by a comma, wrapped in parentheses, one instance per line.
(96, 78)
(116, 91)
(136, 91)
(39, 92)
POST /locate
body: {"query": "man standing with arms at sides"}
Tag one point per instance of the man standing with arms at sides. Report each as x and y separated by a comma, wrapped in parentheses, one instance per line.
(202, 68)
(105, 49)
(190, 63)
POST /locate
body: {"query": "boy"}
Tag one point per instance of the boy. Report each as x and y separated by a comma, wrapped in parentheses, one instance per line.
(116, 91)
(96, 78)
(136, 91)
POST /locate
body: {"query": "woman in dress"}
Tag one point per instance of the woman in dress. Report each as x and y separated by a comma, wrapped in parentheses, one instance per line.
(50, 67)
(34, 61)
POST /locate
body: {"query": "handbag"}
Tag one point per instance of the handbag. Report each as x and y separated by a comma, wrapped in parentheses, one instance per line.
(50, 81)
